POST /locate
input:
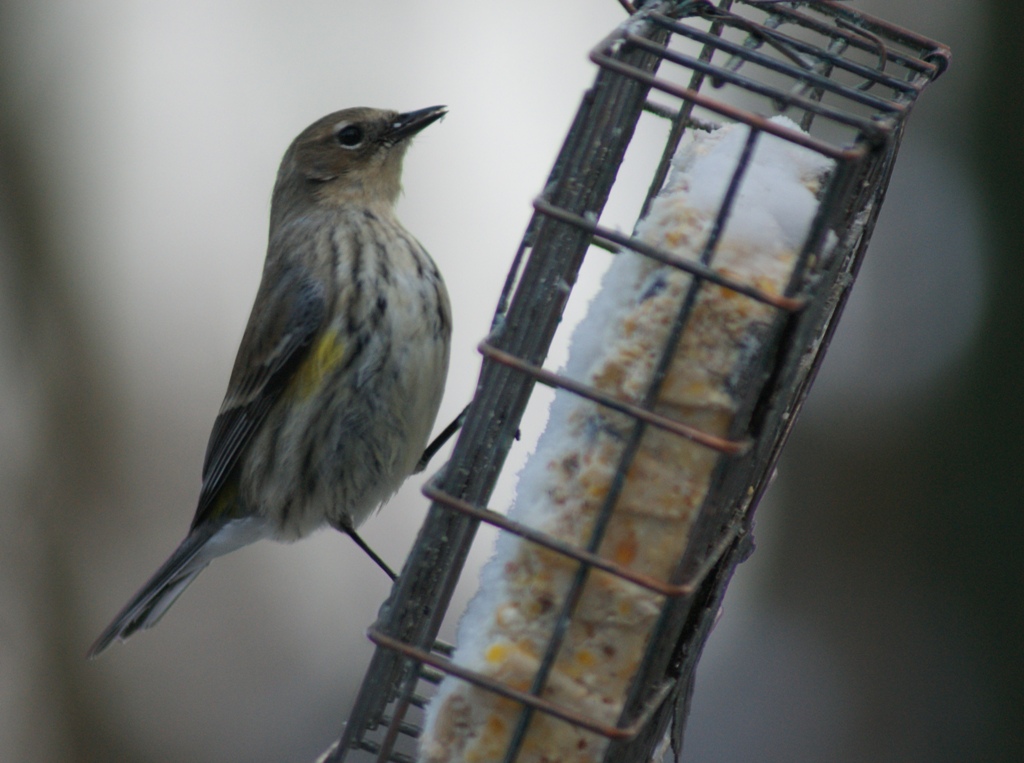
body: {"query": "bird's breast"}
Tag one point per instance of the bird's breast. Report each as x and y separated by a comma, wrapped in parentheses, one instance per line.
(360, 407)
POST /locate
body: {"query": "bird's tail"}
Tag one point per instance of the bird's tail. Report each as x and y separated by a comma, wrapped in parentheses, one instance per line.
(203, 544)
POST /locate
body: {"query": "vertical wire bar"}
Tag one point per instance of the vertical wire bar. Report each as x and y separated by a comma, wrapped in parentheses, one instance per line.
(692, 619)
(387, 746)
(682, 119)
(671, 345)
(818, 93)
(530, 236)
(719, 516)
(629, 452)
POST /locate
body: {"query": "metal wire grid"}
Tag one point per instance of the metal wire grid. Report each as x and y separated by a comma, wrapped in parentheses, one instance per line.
(848, 78)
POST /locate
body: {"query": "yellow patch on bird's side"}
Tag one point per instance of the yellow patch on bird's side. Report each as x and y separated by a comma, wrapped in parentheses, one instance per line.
(226, 501)
(325, 355)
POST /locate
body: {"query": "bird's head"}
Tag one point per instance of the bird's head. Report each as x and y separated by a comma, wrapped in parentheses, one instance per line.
(349, 157)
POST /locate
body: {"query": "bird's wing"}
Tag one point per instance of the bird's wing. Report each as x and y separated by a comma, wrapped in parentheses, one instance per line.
(291, 309)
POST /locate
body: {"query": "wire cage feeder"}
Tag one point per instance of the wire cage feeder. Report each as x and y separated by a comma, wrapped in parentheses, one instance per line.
(849, 81)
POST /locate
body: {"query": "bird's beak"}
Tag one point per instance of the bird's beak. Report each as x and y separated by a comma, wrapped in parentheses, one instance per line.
(408, 124)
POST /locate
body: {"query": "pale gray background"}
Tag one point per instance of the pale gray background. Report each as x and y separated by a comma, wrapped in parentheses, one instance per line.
(140, 145)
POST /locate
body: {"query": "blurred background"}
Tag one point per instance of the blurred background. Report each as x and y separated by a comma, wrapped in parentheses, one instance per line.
(881, 618)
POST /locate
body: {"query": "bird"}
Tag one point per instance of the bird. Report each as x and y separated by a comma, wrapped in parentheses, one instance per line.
(341, 367)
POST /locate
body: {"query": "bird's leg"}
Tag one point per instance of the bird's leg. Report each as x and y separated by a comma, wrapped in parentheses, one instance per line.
(351, 532)
(439, 441)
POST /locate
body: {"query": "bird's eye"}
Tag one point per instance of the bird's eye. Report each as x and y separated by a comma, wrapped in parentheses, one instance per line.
(350, 136)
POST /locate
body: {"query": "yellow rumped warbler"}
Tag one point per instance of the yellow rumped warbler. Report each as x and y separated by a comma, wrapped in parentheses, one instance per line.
(341, 368)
